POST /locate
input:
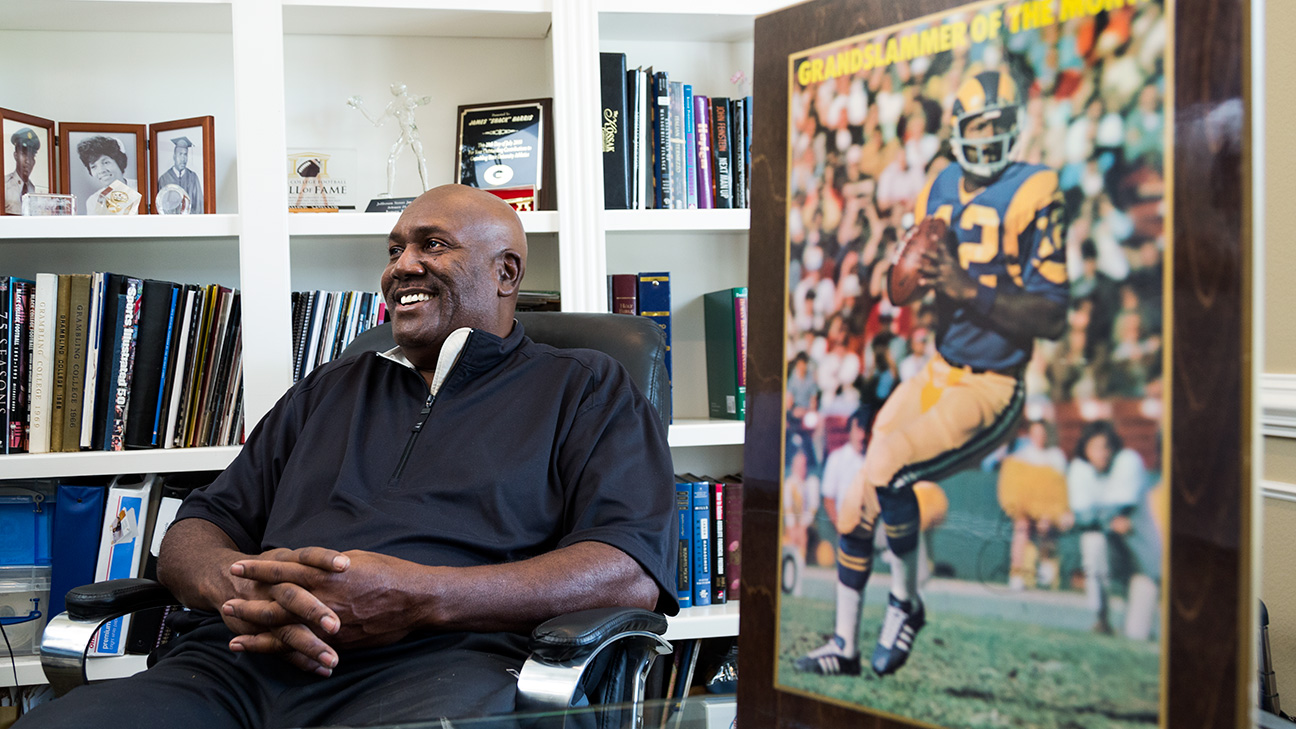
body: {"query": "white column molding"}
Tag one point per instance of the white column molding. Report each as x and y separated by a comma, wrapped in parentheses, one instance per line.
(263, 239)
(1278, 401)
(582, 257)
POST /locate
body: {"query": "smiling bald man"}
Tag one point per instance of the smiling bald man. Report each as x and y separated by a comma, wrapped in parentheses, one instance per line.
(399, 521)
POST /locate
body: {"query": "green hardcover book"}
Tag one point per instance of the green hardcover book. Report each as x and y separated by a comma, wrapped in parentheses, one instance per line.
(78, 332)
(723, 316)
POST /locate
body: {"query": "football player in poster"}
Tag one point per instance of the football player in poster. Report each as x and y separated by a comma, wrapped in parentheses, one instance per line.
(1000, 282)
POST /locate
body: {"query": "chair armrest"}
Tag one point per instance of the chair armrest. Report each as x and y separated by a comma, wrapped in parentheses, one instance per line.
(69, 635)
(111, 598)
(568, 636)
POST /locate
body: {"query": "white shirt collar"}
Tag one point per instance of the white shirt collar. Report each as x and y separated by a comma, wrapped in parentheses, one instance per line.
(450, 351)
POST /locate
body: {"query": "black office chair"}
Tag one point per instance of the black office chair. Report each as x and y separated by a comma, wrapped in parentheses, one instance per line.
(590, 657)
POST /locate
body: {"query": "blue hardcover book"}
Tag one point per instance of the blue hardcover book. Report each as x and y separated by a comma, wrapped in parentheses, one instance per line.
(655, 303)
(701, 543)
(684, 571)
(690, 151)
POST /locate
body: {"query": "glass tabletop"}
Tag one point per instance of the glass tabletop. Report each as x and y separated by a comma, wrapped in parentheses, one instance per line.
(712, 711)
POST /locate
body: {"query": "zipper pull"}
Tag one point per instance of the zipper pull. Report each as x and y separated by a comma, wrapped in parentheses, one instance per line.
(423, 414)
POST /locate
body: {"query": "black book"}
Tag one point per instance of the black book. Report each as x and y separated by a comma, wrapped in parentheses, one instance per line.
(722, 152)
(616, 153)
(6, 359)
(738, 127)
(660, 105)
(157, 317)
(634, 149)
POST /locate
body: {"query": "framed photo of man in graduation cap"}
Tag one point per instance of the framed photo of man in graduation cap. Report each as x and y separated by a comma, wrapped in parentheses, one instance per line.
(183, 166)
(27, 158)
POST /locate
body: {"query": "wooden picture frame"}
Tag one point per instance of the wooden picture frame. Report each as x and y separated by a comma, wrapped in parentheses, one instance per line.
(521, 173)
(121, 151)
(19, 129)
(1201, 668)
(185, 150)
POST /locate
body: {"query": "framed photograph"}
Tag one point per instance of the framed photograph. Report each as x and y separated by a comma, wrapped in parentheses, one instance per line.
(27, 158)
(182, 168)
(997, 465)
(92, 157)
(507, 148)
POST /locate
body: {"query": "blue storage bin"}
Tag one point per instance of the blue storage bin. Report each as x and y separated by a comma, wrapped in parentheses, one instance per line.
(26, 521)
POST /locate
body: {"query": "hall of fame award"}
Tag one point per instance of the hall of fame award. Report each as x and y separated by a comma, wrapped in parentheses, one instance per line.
(506, 148)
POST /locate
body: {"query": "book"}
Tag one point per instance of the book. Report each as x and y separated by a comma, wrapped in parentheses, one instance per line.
(678, 170)
(721, 152)
(211, 374)
(616, 154)
(124, 366)
(121, 550)
(702, 129)
(6, 358)
(644, 139)
(701, 542)
(94, 340)
(79, 292)
(738, 165)
(684, 554)
(180, 363)
(21, 291)
(156, 319)
(655, 303)
(110, 312)
(625, 296)
(44, 310)
(690, 151)
(661, 140)
(747, 138)
(722, 316)
(221, 376)
(719, 581)
(58, 389)
(200, 347)
(733, 501)
(180, 434)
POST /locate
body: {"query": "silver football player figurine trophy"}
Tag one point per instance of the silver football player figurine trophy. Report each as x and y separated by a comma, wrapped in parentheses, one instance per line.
(401, 108)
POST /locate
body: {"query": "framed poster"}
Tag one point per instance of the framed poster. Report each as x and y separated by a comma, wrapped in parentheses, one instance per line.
(26, 158)
(104, 166)
(506, 148)
(1020, 494)
(183, 166)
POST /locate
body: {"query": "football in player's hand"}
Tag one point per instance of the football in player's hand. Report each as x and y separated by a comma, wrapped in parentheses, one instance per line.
(902, 279)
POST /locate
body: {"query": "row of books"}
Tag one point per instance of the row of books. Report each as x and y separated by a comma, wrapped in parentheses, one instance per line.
(665, 147)
(326, 322)
(710, 539)
(643, 294)
(107, 362)
(724, 315)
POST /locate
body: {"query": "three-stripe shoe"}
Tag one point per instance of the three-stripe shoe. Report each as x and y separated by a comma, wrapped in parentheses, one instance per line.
(902, 622)
(829, 660)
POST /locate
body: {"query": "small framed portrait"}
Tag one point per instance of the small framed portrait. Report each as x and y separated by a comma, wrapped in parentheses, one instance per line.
(27, 162)
(182, 168)
(101, 165)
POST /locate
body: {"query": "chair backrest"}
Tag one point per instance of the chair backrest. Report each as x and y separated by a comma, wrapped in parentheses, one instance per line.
(634, 341)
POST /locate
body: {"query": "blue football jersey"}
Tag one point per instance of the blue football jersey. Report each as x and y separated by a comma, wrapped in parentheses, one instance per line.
(1009, 239)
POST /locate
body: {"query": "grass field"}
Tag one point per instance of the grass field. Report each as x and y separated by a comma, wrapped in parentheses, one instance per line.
(977, 673)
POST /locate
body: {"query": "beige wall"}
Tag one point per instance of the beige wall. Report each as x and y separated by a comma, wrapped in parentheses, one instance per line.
(1279, 568)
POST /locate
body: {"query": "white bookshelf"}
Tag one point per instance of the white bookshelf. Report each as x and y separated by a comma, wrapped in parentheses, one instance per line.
(296, 63)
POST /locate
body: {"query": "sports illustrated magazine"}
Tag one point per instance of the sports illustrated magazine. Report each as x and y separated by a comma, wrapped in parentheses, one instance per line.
(973, 513)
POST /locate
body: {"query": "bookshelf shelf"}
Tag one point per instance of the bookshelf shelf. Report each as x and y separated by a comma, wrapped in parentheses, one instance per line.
(687, 432)
(712, 621)
(380, 224)
(676, 220)
(17, 227)
(101, 463)
(445, 18)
